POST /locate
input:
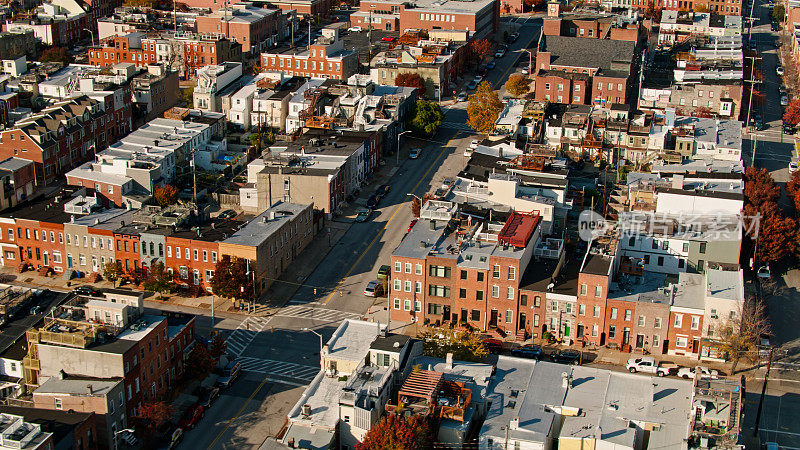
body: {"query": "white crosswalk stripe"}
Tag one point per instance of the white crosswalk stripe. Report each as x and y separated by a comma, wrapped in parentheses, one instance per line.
(456, 126)
(282, 369)
(244, 334)
(311, 313)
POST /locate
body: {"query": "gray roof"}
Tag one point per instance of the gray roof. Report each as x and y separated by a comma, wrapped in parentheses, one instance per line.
(261, 228)
(690, 292)
(14, 164)
(78, 386)
(582, 52)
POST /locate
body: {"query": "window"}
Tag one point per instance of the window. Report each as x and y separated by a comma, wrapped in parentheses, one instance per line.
(397, 303)
(700, 264)
(418, 287)
(657, 322)
(681, 263)
(537, 301)
(512, 272)
(583, 289)
(463, 274)
(695, 322)
(523, 299)
(647, 259)
(612, 331)
(417, 305)
(475, 315)
(655, 244)
(641, 321)
(627, 315)
(213, 254)
(439, 271)
(205, 253)
(594, 330)
(613, 313)
(510, 293)
(462, 293)
(58, 403)
(509, 316)
(195, 253)
(598, 291)
(581, 310)
(397, 266)
(596, 311)
(703, 247)
(554, 306)
(680, 341)
(398, 285)
(678, 320)
(660, 261)
(479, 295)
(408, 286)
(495, 291)
(439, 291)
(408, 267)
(536, 320)
(480, 276)
(418, 269)
(407, 305)
(496, 271)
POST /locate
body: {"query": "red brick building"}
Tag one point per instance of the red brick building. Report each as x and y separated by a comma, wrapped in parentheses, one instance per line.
(61, 137)
(126, 249)
(584, 71)
(588, 25)
(316, 8)
(36, 237)
(724, 7)
(255, 28)
(192, 257)
(481, 17)
(323, 60)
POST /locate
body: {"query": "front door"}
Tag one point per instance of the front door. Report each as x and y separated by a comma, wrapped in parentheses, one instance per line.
(522, 321)
(566, 330)
(45, 258)
(69, 261)
(446, 313)
(463, 315)
(639, 340)
(493, 318)
(580, 332)
(695, 346)
(626, 337)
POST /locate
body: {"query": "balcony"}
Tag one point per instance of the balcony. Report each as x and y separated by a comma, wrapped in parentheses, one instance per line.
(549, 248)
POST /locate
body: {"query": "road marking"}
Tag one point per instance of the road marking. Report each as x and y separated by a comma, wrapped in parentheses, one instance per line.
(228, 425)
(760, 430)
(312, 313)
(285, 369)
(244, 334)
(380, 232)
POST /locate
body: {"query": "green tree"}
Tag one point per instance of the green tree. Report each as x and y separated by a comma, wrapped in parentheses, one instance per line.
(398, 433)
(464, 345)
(517, 85)
(186, 97)
(112, 272)
(231, 279)
(158, 279)
(426, 118)
(483, 109)
(778, 13)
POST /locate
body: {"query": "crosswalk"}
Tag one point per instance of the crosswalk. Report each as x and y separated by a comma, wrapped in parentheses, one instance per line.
(315, 313)
(457, 126)
(244, 334)
(282, 370)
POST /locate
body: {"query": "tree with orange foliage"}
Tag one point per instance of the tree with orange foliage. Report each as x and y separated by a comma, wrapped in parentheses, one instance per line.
(166, 195)
(411, 80)
(533, 4)
(651, 12)
(152, 415)
(416, 203)
(481, 48)
(792, 113)
(398, 433)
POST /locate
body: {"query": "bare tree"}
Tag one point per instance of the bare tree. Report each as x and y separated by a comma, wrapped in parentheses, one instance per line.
(740, 335)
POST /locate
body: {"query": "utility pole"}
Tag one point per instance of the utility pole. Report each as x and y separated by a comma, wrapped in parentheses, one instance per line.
(225, 16)
(175, 17)
(369, 39)
(309, 34)
(755, 142)
(763, 393)
(752, 86)
(194, 178)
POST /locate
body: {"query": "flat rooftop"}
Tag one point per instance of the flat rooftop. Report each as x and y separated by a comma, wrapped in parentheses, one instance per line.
(352, 340)
(78, 386)
(265, 224)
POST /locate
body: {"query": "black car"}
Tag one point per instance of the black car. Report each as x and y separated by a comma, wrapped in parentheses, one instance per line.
(87, 290)
(207, 396)
(528, 351)
(372, 201)
(788, 129)
(491, 65)
(383, 190)
(566, 357)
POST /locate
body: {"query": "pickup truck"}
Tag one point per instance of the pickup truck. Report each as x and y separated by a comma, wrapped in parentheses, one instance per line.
(688, 372)
(647, 364)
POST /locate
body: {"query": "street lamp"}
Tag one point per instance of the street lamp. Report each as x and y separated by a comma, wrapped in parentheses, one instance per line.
(320, 341)
(530, 61)
(90, 34)
(398, 144)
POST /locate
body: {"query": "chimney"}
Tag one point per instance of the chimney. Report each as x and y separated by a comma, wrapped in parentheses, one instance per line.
(89, 389)
(433, 225)
(677, 181)
(449, 361)
(306, 410)
(553, 8)
(564, 380)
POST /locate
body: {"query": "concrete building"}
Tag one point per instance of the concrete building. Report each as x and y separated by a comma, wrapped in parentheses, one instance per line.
(18, 181)
(271, 241)
(154, 92)
(78, 430)
(57, 23)
(17, 433)
(103, 397)
(724, 7)
(14, 45)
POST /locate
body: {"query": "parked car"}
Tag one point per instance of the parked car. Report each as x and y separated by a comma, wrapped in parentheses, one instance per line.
(514, 36)
(493, 345)
(478, 79)
(355, 29)
(373, 289)
(362, 215)
(500, 54)
(567, 356)
(414, 153)
(788, 129)
(688, 372)
(528, 351)
(784, 100)
(229, 374)
(411, 225)
(447, 182)
(491, 65)
(793, 167)
(227, 214)
(779, 70)
(373, 200)
(191, 417)
(388, 39)
(472, 85)
(462, 97)
(36, 310)
(383, 190)
(87, 290)
(647, 364)
(384, 271)
(175, 438)
(468, 151)
(207, 395)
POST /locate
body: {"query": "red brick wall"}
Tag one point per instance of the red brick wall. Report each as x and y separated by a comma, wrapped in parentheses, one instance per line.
(472, 287)
(609, 89)
(126, 251)
(502, 303)
(531, 310)
(724, 7)
(686, 330)
(621, 322)
(315, 66)
(102, 188)
(197, 259)
(588, 298)
(402, 310)
(35, 236)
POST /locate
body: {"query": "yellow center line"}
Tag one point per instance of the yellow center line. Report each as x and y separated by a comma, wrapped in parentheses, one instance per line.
(380, 232)
(228, 425)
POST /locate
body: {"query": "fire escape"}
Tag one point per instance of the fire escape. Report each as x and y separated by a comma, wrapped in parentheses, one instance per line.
(309, 113)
